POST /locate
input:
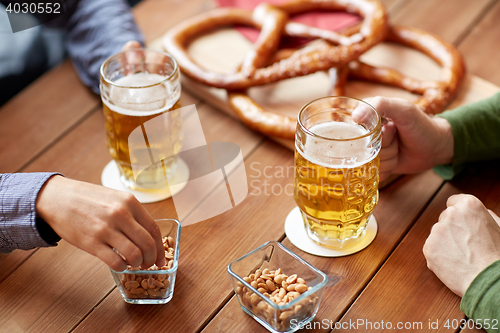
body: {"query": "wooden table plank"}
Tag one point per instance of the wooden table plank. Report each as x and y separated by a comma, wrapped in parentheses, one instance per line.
(481, 48)
(448, 19)
(40, 114)
(399, 206)
(11, 261)
(59, 287)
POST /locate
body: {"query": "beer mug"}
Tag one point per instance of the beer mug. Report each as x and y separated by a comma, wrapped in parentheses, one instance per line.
(136, 86)
(337, 144)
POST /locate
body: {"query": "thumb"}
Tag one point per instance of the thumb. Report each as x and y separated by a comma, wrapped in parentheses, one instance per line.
(401, 111)
(130, 45)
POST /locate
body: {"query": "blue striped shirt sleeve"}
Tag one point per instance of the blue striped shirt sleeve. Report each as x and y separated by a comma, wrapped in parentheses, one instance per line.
(97, 30)
(18, 194)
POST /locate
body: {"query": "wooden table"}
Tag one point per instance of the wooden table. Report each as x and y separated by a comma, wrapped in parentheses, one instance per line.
(56, 124)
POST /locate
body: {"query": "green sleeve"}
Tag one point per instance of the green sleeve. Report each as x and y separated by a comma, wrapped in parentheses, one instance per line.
(476, 134)
(482, 299)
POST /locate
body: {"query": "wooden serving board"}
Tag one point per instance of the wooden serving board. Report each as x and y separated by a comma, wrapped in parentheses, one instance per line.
(223, 50)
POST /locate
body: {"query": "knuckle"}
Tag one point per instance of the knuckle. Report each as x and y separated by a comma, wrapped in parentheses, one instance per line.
(129, 199)
(117, 264)
(472, 202)
(135, 256)
(118, 210)
(102, 230)
(378, 102)
(427, 249)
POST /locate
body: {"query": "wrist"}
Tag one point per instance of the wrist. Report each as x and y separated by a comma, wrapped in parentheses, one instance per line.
(46, 201)
(445, 148)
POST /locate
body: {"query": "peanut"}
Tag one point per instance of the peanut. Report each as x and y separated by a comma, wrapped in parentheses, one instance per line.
(131, 284)
(280, 289)
(301, 288)
(137, 291)
(285, 314)
(144, 284)
(270, 285)
(291, 279)
(151, 285)
(171, 241)
(282, 293)
(279, 278)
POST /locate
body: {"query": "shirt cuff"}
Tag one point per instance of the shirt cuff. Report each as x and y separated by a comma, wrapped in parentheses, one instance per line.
(18, 218)
(482, 300)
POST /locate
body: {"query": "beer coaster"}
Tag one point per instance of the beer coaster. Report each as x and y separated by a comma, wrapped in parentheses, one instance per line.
(297, 234)
(110, 177)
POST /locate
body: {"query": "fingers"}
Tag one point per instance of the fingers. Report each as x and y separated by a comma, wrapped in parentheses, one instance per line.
(130, 59)
(144, 243)
(109, 257)
(384, 175)
(362, 113)
(389, 152)
(399, 110)
(149, 234)
(130, 45)
(465, 199)
(128, 249)
(388, 134)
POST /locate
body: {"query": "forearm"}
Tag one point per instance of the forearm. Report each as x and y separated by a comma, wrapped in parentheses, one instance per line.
(96, 30)
(476, 134)
(481, 301)
(19, 225)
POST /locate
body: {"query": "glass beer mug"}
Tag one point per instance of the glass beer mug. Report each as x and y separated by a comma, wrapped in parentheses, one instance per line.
(337, 144)
(137, 86)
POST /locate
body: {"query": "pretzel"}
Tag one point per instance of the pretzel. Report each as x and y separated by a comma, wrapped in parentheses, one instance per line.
(332, 51)
(273, 22)
(435, 94)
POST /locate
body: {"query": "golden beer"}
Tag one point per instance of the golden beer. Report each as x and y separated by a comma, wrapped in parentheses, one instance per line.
(129, 103)
(336, 177)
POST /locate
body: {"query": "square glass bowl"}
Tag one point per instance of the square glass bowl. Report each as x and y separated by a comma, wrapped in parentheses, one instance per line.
(288, 317)
(151, 286)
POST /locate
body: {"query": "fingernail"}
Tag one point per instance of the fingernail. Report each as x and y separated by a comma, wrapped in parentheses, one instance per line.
(162, 262)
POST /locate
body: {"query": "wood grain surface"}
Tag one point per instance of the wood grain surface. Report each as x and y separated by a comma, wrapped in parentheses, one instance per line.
(56, 124)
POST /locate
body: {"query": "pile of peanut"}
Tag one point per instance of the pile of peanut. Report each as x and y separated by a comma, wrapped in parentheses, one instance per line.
(142, 285)
(281, 289)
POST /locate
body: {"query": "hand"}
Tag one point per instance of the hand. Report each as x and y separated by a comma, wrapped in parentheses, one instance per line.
(464, 241)
(411, 140)
(131, 45)
(97, 220)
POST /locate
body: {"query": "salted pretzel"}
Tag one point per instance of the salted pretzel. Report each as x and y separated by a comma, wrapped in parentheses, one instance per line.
(435, 95)
(273, 23)
(272, 20)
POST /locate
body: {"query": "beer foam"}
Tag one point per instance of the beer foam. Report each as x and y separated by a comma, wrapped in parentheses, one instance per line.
(337, 130)
(332, 153)
(131, 95)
